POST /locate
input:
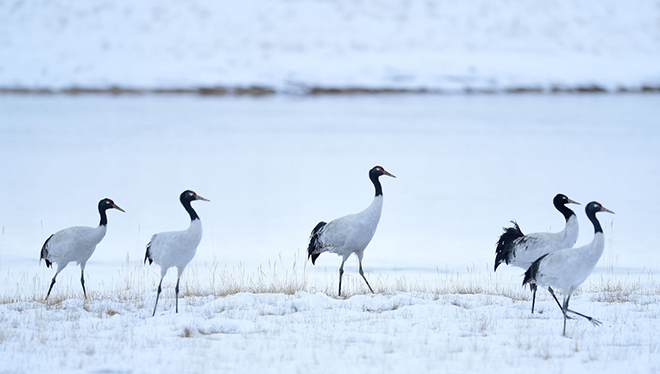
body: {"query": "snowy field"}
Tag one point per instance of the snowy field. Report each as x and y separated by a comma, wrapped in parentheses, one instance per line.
(272, 169)
(401, 332)
(275, 166)
(295, 46)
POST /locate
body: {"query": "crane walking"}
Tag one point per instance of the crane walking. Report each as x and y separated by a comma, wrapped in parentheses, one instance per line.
(352, 233)
(517, 249)
(76, 244)
(176, 248)
(567, 268)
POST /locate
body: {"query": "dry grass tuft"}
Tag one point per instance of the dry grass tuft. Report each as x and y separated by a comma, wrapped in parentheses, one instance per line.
(136, 283)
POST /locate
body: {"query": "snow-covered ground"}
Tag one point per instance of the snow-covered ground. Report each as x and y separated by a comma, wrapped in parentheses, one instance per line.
(274, 167)
(403, 332)
(292, 46)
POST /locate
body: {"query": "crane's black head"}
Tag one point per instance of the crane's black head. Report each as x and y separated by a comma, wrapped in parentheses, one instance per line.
(106, 204)
(189, 196)
(562, 199)
(591, 209)
(186, 197)
(376, 172)
(560, 202)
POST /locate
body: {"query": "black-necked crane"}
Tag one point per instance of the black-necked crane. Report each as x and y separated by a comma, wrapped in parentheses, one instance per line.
(567, 268)
(76, 244)
(176, 248)
(517, 249)
(350, 234)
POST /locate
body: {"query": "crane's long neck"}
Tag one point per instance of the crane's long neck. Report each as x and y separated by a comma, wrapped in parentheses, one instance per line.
(595, 250)
(189, 209)
(565, 211)
(570, 232)
(377, 186)
(195, 230)
(104, 217)
(372, 212)
(592, 217)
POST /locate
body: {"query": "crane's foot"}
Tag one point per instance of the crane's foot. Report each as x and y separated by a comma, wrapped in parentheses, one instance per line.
(594, 321)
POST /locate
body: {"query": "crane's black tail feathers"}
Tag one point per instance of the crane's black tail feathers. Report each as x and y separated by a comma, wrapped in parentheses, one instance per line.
(44, 252)
(147, 256)
(530, 274)
(504, 249)
(314, 248)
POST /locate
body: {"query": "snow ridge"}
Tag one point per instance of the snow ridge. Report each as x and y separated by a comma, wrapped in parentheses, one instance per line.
(307, 45)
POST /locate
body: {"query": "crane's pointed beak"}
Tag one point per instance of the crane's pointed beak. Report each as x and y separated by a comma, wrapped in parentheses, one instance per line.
(573, 202)
(385, 172)
(197, 197)
(118, 208)
(603, 209)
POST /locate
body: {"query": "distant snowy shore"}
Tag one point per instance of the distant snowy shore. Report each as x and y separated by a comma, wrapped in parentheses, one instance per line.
(328, 47)
(312, 91)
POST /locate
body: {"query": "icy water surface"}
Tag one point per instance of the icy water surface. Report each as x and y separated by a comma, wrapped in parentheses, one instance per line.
(274, 167)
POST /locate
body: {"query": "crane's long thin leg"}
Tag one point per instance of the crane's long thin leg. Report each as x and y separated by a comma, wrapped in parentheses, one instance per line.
(552, 292)
(594, 321)
(565, 310)
(52, 282)
(362, 274)
(82, 278)
(533, 287)
(341, 272)
(158, 295)
(558, 303)
(176, 289)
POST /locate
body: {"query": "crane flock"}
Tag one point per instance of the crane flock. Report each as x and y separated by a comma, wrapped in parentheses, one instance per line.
(520, 250)
(548, 258)
(567, 268)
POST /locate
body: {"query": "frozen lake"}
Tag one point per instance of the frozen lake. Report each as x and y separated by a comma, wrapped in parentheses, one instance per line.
(274, 167)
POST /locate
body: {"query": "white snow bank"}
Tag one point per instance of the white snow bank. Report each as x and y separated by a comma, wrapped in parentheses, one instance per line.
(274, 333)
(290, 45)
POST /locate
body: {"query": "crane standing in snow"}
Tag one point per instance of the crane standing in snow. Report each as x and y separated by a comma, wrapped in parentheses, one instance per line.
(176, 248)
(75, 244)
(520, 250)
(352, 233)
(567, 268)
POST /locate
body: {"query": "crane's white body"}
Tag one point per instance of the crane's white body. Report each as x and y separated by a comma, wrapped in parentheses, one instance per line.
(529, 248)
(76, 244)
(352, 233)
(567, 268)
(73, 244)
(175, 248)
